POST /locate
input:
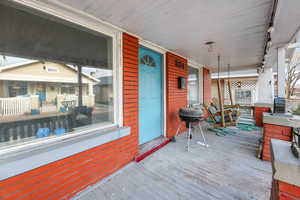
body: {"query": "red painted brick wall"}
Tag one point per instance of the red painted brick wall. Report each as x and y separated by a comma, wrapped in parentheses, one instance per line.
(206, 86)
(258, 113)
(64, 178)
(275, 132)
(130, 86)
(176, 98)
(284, 191)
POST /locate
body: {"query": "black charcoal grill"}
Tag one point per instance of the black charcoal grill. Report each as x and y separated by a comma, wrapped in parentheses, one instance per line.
(192, 116)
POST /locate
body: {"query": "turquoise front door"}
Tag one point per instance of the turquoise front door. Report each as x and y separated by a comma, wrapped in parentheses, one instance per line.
(150, 95)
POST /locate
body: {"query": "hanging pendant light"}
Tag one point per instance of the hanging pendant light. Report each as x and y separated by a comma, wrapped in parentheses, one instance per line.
(210, 46)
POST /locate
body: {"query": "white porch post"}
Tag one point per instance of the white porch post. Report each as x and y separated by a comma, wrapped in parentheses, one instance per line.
(91, 95)
(281, 69)
(201, 85)
(91, 90)
(265, 86)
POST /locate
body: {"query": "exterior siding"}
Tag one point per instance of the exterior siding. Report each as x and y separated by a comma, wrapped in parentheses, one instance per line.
(284, 191)
(130, 89)
(176, 98)
(64, 178)
(258, 114)
(274, 132)
(206, 86)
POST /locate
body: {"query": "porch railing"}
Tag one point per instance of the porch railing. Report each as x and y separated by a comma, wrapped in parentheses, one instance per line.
(14, 106)
(14, 130)
(87, 100)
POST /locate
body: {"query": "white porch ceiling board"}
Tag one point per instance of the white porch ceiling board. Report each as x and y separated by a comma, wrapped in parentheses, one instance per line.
(287, 22)
(286, 27)
(237, 26)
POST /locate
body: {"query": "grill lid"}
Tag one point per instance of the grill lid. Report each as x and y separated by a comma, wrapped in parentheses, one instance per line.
(191, 112)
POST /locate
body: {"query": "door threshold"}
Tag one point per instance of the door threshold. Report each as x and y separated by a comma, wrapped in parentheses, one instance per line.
(150, 147)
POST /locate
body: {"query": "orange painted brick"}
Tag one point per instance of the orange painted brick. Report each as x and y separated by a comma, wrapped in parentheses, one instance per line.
(274, 132)
(206, 86)
(176, 98)
(258, 113)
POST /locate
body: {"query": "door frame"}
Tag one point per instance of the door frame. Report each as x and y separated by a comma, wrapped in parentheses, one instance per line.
(157, 49)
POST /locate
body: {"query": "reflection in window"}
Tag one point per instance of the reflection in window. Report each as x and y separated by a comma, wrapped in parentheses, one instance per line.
(39, 103)
(68, 89)
(55, 77)
(148, 60)
(52, 84)
(16, 88)
(193, 86)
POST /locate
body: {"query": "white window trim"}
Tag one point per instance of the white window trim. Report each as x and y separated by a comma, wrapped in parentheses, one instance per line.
(59, 10)
(51, 67)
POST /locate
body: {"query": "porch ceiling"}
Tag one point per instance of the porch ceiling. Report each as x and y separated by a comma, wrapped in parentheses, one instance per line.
(237, 27)
(286, 29)
(287, 22)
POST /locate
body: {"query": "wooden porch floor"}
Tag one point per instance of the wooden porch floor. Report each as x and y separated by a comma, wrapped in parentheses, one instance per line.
(228, 169)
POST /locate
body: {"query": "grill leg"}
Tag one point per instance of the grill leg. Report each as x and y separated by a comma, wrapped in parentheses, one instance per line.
(177, 132)
(204, 141)
(178, 129)
(189, 138)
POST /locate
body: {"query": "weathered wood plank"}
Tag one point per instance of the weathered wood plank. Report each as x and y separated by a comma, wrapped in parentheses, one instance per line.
(228, 169)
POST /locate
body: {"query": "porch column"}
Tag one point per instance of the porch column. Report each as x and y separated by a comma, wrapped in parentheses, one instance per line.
(281, 68)
(265, 86)
(79, 86)
(265, 94)
(91, 90)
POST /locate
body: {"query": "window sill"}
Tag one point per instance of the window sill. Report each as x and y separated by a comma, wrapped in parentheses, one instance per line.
(22, 160)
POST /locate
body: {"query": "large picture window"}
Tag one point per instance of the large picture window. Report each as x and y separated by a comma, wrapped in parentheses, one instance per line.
(55, 78)
(193, 86)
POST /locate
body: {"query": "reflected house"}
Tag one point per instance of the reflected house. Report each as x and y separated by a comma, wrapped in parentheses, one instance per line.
(42, 87)
(103, 91)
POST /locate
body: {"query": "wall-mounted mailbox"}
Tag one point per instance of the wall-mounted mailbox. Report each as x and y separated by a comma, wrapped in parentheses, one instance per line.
(179, 64)
(181, 82)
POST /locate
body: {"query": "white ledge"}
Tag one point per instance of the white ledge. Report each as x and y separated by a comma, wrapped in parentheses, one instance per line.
(263, 105)
(285, 165)
(281, 119)
(20, 162)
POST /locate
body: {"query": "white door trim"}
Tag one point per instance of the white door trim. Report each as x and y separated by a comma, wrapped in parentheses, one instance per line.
(163, 52)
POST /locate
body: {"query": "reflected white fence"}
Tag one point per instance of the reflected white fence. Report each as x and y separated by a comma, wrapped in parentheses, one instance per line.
(15, 106)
